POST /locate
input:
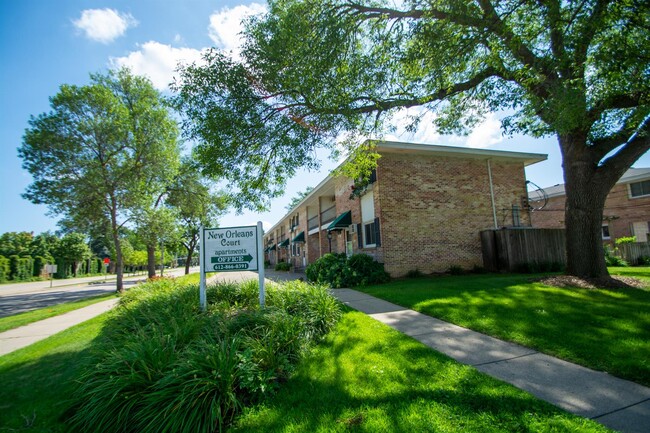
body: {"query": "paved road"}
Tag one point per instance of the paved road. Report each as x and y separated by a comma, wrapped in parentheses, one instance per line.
(18, 298)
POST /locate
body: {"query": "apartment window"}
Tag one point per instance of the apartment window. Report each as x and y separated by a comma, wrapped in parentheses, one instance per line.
(370, 234)
(640, 189)
(606, 232)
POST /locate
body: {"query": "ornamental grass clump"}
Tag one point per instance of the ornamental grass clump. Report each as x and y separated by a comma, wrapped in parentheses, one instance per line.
(163, 365)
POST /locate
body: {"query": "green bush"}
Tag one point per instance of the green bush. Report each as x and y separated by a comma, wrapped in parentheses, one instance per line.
(5, 269)
(337, 270)
(39, 263)
(21, 268)
(162, 365)
(612, 260)
(283, 266)
(455, 270)
(625, 240)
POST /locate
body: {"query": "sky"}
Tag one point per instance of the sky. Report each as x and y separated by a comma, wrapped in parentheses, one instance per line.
(44, 44)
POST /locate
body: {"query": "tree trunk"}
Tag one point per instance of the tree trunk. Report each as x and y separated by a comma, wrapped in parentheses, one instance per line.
(151, 260)
(119, 261)
(586, 192)
(190, 251)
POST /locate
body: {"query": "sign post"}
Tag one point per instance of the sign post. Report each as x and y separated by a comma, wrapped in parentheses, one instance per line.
(231, 249)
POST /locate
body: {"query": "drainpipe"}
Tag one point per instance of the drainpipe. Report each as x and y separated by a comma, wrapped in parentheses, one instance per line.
(494, 208)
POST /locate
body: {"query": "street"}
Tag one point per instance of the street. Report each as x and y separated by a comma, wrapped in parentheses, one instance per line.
(21, 297)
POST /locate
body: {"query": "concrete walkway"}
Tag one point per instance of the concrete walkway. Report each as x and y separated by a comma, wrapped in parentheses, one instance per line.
(616, 403)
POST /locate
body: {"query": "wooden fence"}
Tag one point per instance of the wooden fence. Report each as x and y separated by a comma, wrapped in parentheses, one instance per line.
(523, 249)
(631, 253)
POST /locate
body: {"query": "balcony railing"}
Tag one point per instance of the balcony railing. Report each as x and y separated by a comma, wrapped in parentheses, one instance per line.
(328, 215)
(312, 223)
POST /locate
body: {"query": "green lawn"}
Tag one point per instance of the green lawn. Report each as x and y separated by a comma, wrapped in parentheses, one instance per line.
(606, 330)
(37, 381)
(367, 377)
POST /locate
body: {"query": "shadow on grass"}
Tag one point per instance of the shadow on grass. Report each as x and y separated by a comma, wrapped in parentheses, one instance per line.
(34, 395)
(367, 377)
(607, 330)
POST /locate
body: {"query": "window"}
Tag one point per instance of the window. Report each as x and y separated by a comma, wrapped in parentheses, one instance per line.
(606, 232)
(368, 218)
(370, 234)
(640, 189)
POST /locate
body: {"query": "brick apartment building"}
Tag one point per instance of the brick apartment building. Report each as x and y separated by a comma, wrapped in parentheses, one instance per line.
(626, 211)
(423, 209)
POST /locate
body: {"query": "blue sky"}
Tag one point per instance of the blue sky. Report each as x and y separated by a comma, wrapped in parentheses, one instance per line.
(47, 43)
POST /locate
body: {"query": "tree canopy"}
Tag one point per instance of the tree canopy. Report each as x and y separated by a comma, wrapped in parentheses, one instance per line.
(312, 69)
(102, 151)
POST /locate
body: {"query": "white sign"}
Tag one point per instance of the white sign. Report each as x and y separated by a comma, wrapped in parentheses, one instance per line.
(50, 269)
(230, 249)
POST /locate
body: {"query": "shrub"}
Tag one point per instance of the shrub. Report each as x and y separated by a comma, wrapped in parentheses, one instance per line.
(162, 365)
(337, 270)
(415, 273)
(5, 270)
(21, 268)
(283, 266)
(612, 260)
(455, 270)
(625, 240)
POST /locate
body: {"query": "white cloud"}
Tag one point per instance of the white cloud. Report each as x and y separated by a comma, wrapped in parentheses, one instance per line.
(485, 134)
(157, 61)
(226, 25)
(104, 25)
(426, 131)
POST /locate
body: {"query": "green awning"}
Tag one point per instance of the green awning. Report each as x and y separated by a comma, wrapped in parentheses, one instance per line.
(299, 238)
(272, 248)
(284, 243)
(341, 222)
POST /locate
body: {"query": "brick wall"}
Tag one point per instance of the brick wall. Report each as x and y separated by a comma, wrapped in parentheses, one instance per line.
(432, 209)
(619, 213)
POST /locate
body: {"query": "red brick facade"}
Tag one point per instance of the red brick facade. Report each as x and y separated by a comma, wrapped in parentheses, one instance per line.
(431, 202)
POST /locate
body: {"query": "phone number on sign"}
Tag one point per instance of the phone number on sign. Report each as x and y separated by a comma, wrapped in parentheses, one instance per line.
(230, 267)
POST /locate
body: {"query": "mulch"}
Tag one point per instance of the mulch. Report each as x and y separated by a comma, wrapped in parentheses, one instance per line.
(613, 282)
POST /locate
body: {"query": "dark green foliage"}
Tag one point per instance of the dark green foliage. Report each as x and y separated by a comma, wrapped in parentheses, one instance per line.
(39, 263)
(414, 273)
(613, 260)
(162, 365)
(283, 266)
(20, 268)
(337, 270)
(5, 269)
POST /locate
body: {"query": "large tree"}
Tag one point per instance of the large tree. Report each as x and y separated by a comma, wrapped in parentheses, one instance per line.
(310, 69)
(102, 151)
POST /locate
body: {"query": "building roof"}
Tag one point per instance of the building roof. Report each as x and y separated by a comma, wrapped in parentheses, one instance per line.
(415, 148)
(632, 175)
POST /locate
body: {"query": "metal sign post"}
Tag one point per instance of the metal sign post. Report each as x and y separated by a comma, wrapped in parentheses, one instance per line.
(260, 262)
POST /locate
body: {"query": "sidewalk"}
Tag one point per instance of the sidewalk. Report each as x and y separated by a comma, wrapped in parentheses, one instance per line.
(616, 403)
(23, 336)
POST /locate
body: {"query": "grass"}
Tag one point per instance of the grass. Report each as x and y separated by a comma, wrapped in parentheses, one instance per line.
(21, 319)
(607, 330)
(38, 380)
(366, 377)
(363, 377)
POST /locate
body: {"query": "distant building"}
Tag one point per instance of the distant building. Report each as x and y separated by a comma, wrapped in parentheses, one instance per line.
(423, 209)
(626, 212)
